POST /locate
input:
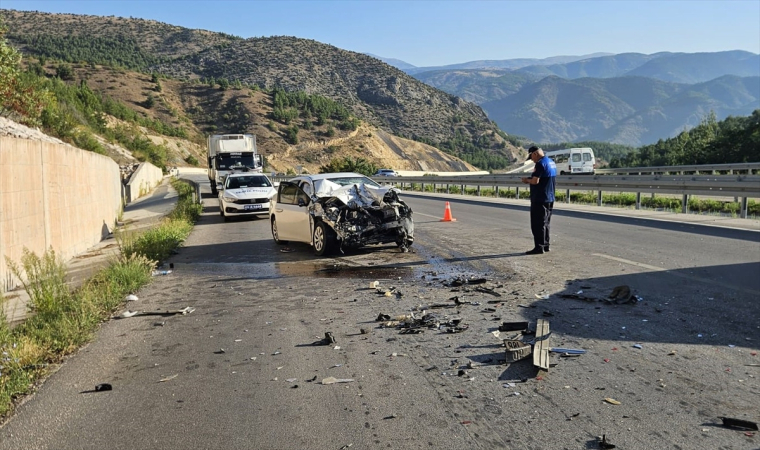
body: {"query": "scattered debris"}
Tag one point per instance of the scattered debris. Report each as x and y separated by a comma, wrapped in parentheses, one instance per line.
(612, 401)
(220, 351)
(487, 290)
(286, 250)
(131, 298)
(461, 281)
(183, 311)
(569, 351)
(374, 284)
(156, 273)
(637, 346)
(170, 377)
(516, 350)
(107, 387)
(333, 380)
(739, 424)
(513, 326)
(604, 444)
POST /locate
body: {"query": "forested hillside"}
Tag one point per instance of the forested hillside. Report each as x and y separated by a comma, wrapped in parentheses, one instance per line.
(371, 90)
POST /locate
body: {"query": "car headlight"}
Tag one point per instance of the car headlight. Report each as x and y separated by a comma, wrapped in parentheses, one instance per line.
(229, 199)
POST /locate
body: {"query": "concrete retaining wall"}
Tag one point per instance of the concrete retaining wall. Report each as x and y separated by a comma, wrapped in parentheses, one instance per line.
(53, 196)
(143, 180)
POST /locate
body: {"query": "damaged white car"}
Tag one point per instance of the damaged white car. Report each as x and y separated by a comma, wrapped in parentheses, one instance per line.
(245, 194)
(336, 211)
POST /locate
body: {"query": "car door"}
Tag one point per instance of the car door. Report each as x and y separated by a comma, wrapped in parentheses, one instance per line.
(292, 213)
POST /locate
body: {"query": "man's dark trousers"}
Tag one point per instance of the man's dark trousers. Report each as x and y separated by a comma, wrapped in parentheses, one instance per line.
(540, 220)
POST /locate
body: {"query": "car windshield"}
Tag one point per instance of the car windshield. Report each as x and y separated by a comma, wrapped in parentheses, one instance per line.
(249, 181)
(345, 181)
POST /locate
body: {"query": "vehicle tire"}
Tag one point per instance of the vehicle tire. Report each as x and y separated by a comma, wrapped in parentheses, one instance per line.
(275, 235)
(562, 172)
(324, 239)
(226, 218)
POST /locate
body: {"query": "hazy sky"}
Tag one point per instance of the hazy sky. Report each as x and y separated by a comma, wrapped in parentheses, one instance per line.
(436, 32)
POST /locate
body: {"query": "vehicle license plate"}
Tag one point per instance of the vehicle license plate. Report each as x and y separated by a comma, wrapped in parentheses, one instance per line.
(249, 207)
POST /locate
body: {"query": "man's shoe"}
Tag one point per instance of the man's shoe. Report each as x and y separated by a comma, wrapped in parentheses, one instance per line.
(535, 251)
(546, 249)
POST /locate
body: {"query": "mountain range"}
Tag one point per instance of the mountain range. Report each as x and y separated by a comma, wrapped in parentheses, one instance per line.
(377, 93)
(628, 98)
(481, 111)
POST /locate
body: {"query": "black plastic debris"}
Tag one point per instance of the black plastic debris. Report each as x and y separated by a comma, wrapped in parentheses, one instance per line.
(102, 387)
(604, 444)
(738, 424)
(411, 331)
(382, 318)
(487, 290)
(513, 326)
(458, 328)
(461, 281)
(220, 351)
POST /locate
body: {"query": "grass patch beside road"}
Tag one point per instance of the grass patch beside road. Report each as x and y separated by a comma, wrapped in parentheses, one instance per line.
(63, 319)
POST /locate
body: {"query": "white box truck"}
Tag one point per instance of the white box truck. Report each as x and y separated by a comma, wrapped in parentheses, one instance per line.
(228, 152)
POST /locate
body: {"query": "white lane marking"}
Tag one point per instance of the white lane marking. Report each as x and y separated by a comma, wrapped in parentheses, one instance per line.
(678, 274)
(426, 215)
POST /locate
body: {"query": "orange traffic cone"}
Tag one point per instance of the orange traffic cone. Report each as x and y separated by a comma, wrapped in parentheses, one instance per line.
(447, 214)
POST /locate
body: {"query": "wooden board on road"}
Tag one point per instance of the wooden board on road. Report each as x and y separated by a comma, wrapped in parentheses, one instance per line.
(541, 347)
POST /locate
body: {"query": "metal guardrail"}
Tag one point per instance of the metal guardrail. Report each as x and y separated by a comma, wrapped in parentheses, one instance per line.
(737, 186)
(711, 169)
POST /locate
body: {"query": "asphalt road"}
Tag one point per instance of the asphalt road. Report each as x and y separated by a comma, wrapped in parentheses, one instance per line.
(245, 369)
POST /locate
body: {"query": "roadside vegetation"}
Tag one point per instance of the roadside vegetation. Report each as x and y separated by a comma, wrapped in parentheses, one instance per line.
(62, 318)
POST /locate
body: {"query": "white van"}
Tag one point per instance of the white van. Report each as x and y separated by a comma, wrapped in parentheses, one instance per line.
(574, 161)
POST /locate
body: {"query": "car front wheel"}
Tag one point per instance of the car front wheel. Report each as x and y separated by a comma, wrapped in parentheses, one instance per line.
(324, 239)
(275, 236)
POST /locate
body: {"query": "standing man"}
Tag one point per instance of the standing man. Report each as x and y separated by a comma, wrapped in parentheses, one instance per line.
(541, 182)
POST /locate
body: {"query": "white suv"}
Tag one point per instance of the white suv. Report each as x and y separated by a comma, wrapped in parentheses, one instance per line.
(386, 173)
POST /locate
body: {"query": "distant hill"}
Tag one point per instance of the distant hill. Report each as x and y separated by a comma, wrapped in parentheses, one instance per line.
(509, 64)
(397, 63)
(626, 110)
(687, 68)
(375, 92)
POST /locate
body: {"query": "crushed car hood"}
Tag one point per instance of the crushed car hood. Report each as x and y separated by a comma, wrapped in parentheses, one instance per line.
(359, 195)
(362, 215)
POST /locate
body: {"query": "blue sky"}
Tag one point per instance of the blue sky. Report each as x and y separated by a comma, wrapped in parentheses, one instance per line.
(439, 32)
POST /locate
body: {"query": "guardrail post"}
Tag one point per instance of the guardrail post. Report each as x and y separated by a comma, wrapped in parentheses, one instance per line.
(423, 187)
(638, 200)
(685, 203)
(496, 191)
(478, 191)
(461, 192)
(517, 193)
(599, 198)
(567, 196)
(448, 188)
(744, 208)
